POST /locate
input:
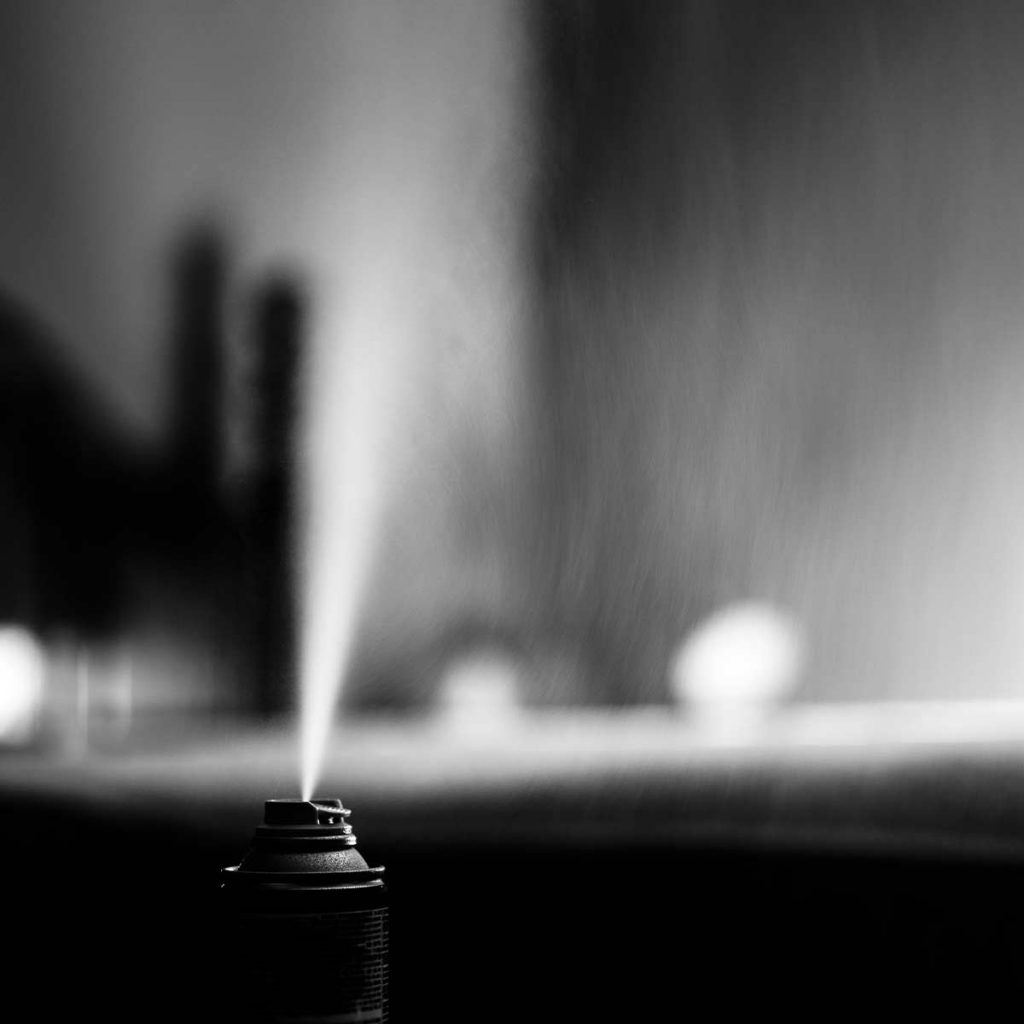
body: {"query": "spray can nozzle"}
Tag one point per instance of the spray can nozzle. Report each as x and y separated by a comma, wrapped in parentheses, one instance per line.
(300, 813)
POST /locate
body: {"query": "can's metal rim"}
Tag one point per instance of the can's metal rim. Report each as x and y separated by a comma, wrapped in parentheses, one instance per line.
(304, 879)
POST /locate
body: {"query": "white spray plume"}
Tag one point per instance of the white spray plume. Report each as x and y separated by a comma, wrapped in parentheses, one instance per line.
(415, 247)
(340, 515)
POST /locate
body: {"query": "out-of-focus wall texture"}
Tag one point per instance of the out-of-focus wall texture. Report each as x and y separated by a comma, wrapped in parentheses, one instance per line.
(783, 276)
(633, 309)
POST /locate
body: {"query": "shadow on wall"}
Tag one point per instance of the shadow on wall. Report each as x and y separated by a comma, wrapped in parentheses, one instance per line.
(161, 553)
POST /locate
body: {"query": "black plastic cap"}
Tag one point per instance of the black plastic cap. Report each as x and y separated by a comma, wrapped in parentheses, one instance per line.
(303, 813)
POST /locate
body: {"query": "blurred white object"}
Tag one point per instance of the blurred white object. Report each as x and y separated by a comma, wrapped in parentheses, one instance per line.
(22, 668)
(738, 665)
(480, 693)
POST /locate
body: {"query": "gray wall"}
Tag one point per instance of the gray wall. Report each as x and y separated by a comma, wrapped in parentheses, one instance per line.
(782, 260)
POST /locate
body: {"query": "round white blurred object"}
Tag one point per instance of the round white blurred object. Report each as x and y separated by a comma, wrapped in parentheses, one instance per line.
(22, 665)
(743, 659)
(480, 692)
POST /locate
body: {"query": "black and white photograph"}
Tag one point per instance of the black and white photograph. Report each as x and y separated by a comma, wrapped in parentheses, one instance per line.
(511, 511)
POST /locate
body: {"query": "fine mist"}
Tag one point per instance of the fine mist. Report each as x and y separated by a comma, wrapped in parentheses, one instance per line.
(413, 351)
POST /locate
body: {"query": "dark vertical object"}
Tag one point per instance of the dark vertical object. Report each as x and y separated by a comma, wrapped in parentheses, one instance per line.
(22, 446)
(62, 494)
(198, 353)
(276, 330)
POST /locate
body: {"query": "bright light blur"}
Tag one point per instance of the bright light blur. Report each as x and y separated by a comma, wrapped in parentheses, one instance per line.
(741, 662)
(22, 672)
(480, 694)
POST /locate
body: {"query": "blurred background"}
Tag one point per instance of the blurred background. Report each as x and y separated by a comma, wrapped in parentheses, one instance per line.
(586, 322)
(611, 410)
